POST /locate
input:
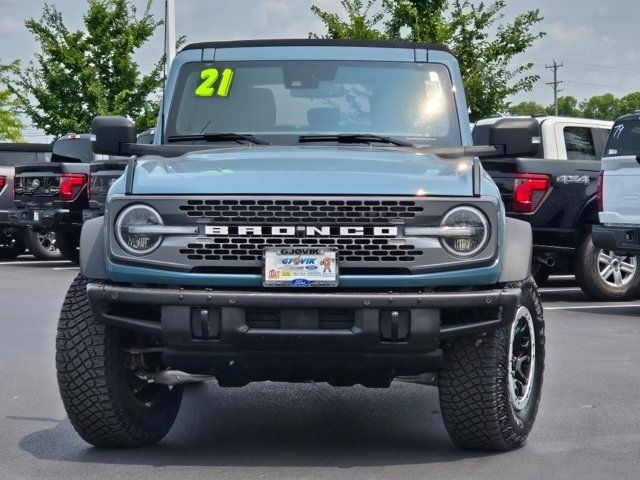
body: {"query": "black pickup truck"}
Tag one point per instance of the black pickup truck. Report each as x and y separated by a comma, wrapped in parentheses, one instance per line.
(554, 189)
(52, 195)
(13, 239)
(60, 195)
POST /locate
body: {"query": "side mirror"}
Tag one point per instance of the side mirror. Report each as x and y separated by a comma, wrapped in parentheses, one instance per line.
(519, 137)
(111, 134)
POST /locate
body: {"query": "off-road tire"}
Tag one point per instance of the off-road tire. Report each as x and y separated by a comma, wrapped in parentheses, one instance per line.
(68, 243)
(93, 381)
(476, 406)
(589, 279)
(38, 250)
(12, 246)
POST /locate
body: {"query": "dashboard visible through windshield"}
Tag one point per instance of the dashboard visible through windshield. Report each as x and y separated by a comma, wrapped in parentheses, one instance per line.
(282, 100)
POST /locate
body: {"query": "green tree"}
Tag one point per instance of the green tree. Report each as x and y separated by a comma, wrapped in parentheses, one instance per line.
(361, 24)
(629, 104)
(603, 107)
(484, 45)
(10, 124)
(80, 74)
(527, 108)
(567, 107)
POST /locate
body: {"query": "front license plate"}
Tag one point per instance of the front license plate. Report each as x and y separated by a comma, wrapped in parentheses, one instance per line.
(300, 267)
(36, 216)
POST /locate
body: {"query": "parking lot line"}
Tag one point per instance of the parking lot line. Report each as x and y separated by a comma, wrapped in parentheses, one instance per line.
(35, 262)
(559, 289)
(587, 307)
(66, 268)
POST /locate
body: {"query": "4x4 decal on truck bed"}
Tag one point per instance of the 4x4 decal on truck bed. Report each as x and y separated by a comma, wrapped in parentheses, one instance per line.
(567, 179)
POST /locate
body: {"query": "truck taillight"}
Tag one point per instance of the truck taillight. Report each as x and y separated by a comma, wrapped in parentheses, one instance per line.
(71, 184)
(529, 189)
(600, 191)
(3, 182)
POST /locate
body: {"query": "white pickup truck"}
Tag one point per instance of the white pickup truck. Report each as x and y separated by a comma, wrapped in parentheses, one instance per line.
(619, 190)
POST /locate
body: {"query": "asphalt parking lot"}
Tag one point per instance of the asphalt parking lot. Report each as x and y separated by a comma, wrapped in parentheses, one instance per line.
(588, 426)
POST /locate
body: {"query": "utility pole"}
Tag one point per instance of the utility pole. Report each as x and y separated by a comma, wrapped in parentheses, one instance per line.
(169, 32)
(555, 83)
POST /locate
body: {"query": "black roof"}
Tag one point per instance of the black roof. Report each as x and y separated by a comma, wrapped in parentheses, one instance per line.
(315, 42)
(629, 116)
(26, 147)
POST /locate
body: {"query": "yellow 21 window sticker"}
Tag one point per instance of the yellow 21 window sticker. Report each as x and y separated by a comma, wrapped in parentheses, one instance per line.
(209, 77)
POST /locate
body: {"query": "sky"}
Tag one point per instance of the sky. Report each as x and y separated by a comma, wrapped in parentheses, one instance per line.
(598, 41)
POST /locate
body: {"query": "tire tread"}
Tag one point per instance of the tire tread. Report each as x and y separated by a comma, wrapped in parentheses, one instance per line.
(474, 396)
(90, 393)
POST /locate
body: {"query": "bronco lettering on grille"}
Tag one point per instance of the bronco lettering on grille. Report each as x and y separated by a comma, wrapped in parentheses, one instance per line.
(300, 230)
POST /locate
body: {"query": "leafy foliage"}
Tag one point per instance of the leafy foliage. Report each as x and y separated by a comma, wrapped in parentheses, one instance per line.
(80, 74)
(483, 45)
(527, 109)
(603, 107)
(361, 23)
(10, 124)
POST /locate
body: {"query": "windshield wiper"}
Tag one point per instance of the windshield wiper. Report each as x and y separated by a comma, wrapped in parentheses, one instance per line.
(218, 137)
(354, 138)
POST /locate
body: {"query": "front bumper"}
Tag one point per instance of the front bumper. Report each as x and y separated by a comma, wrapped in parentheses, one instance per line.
(242, 336)
(618, 239)
(45, 219)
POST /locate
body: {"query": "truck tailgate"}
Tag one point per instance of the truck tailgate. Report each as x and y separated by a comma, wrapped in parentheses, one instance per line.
(103, 175)
(39, 184)
(621, 190)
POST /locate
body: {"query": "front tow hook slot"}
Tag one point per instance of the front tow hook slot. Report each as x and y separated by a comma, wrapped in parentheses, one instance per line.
(205, 323)
(394, 325)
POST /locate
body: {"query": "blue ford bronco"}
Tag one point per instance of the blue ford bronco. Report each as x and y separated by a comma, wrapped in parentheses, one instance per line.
(309, 211)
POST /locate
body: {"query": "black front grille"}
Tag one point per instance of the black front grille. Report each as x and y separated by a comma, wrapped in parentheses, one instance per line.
(327, 319)
(301, 211)
(250, 249)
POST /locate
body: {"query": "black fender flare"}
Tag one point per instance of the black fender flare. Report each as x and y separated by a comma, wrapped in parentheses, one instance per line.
(92, 249)
(588, 209)
(518, 251)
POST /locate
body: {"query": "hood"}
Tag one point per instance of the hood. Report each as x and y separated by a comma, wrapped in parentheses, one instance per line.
(319, 170)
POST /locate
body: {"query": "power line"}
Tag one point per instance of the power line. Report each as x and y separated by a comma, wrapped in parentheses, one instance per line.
(555, 83)
(588, 84)
(599, 68)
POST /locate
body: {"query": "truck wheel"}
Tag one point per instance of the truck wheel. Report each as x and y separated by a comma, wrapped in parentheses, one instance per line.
(605, 275)
(42, 245)
(11, 244)
(107, 403)
(491, 382)
(68, 243)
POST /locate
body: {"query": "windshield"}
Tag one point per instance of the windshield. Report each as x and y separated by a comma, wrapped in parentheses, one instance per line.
(281, 100)
(624, 139)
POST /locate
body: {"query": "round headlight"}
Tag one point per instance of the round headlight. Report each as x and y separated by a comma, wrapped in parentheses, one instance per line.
(138, 242)
(475, 240)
